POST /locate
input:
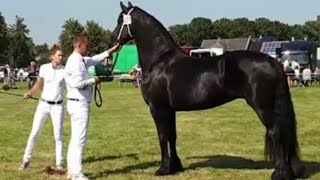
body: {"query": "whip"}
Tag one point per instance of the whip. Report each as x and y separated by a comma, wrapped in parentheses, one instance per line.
(19, 95)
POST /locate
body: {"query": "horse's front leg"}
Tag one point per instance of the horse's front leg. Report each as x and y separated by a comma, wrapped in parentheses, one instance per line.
(162, 119)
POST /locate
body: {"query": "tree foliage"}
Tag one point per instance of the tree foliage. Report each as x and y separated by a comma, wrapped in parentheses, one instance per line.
(41, 53)
(202, 28)
(98, 37)
(20, 44)
(70, 28)
(4, 41)
(18, 49)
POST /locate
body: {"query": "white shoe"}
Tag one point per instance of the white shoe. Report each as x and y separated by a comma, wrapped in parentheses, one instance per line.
(80, 177)
(69, 176)
(59, 167)
(24, 165)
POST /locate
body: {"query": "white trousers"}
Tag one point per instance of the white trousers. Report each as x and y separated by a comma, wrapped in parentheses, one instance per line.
(40, 117)
(79, 115)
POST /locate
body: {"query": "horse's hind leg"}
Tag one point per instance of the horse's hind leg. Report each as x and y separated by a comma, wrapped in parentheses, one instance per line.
(273, 148)
(165, 123)
(282, 167)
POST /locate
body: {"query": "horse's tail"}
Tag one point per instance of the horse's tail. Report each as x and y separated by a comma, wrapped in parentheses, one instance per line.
(285, 125)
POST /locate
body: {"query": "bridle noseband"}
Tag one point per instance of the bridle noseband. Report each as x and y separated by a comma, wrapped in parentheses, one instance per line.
(126, 22)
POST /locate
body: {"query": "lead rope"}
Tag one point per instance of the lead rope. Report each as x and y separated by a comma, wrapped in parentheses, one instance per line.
(127, 22)
(97, 87)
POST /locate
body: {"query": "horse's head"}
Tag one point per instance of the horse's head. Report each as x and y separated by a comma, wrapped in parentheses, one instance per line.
(122, 33)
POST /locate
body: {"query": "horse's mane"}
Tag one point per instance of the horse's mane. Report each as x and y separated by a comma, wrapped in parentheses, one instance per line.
(159, 26)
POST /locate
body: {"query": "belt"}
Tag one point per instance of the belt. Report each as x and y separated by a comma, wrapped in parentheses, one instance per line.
(73, 99)
(78, 100)
(52, 102)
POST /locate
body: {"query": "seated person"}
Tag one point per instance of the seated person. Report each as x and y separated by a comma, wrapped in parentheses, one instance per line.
(134, 73)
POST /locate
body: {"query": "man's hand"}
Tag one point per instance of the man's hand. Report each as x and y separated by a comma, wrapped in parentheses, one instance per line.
(97, 79)
(114, 48)
(27, 95)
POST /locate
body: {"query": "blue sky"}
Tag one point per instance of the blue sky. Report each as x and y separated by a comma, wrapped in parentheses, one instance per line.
(44, 18)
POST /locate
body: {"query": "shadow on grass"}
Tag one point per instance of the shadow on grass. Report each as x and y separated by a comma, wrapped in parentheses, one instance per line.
(93, 159)
(124, 170)
(217, 161)
(234, 162)
(228, 162)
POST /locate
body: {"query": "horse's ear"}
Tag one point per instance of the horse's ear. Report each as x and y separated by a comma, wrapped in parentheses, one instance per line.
(123, 7)
(130, 5)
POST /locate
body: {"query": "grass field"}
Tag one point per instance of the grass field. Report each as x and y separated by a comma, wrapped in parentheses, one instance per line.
(222, 143)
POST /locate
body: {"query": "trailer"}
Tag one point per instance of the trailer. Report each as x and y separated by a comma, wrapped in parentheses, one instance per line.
(303, 52)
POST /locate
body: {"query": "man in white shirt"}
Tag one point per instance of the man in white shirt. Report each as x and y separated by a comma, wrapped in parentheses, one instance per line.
(79, 95)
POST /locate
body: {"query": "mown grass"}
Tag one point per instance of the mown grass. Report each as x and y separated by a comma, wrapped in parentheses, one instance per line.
(222, 143)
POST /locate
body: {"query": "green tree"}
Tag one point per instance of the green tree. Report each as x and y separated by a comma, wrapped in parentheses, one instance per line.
(297, 31)
(181, 34)
(262, 26)
(71, 28)
(311, 30)
(4, 41)
(98, 37)
(276, 29)
(42, 53)
(21, 45)
(222, 28)
(241, 28)
(200, 28)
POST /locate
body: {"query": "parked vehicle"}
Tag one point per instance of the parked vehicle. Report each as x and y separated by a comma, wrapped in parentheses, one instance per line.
(304, 52)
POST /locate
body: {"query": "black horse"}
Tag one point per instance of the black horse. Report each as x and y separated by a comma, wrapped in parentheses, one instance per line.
(173, 81)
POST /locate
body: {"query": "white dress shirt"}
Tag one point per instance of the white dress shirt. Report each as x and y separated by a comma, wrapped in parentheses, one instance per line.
(286, 64)
(295, 64)
(306, 74)
(53, 82)
(77, 77)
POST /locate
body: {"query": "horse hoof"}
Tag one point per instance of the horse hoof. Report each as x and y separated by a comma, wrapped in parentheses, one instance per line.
(277, 175)
(298, 170)
(175, 166)
(162, 172)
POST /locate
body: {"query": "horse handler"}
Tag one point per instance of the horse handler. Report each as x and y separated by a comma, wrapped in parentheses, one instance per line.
(79, 95)
(51, 78)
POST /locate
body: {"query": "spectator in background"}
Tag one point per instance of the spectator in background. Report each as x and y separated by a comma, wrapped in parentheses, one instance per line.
(135, 74)
(32, 70)
(7, 72)
(317, 76)
(290, 74)
(295, 64)
(20, 75)
(286, 64)
(306, 76)
(297, 75)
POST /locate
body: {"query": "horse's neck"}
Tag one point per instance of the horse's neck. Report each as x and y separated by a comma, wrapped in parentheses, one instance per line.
(152, 43)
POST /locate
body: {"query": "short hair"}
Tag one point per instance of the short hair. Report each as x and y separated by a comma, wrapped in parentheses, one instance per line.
(79, 38)
(54, 48)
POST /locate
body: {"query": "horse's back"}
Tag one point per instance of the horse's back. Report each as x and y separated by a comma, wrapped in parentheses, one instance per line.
(243, 68)
(188, 83)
